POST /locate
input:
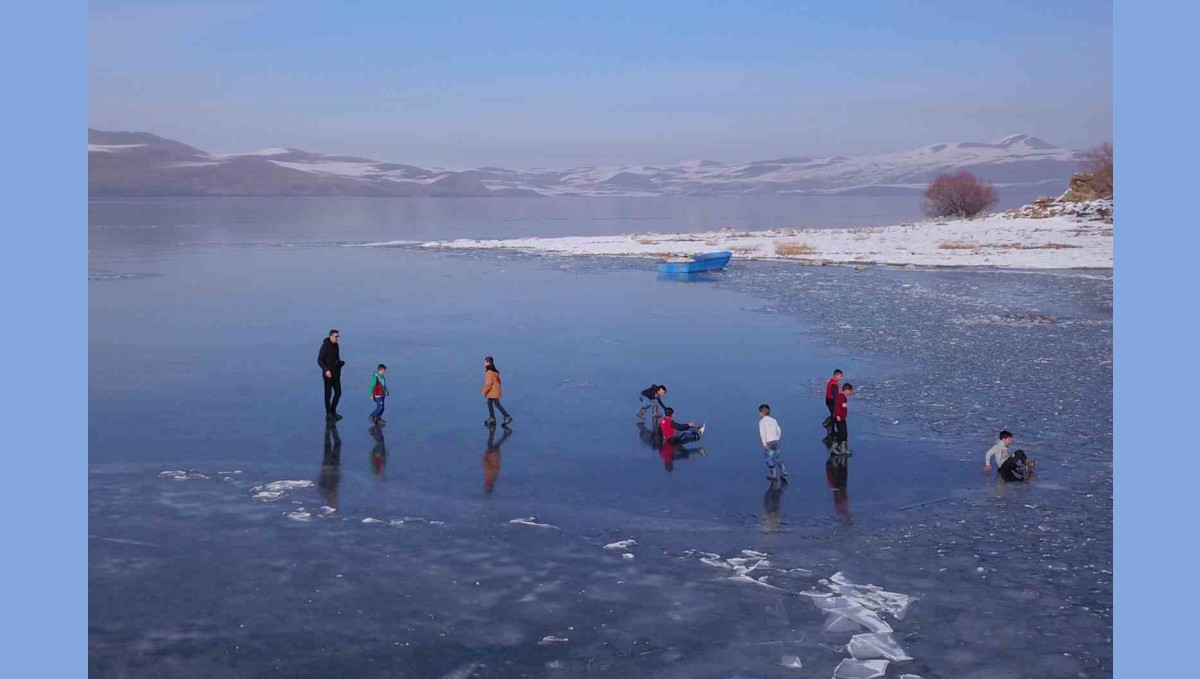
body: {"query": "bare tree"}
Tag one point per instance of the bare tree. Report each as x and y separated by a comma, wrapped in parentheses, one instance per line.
(958, 194)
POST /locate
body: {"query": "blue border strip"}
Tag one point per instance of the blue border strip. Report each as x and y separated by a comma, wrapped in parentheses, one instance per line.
(43, 52)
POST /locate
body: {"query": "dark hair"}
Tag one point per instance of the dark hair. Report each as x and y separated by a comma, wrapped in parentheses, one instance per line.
(764, 407)
(669, 412)
(334, 332)
(663, 387)
(1005, 434)
(491, 364)
(847, 387)
(381, 366)
(838, 372)
(1020, 455)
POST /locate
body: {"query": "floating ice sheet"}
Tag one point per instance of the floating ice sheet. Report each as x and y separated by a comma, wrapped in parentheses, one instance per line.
(182, 475)
(868, 646)
(621, 545)
(860, 669)
(276, 489)
(532, 521)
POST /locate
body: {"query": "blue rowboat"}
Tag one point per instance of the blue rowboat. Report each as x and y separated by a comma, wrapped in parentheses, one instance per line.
(707, 262)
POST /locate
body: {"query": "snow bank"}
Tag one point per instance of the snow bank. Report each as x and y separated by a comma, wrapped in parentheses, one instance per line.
(1064, 240)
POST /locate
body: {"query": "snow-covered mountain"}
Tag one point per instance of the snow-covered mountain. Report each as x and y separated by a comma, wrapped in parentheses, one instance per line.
(136, 163)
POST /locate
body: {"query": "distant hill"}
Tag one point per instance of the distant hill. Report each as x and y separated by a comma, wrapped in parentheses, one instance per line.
(142, 164)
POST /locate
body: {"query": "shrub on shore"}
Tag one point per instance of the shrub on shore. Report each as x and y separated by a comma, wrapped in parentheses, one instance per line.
(958, 194)
(1095, 180)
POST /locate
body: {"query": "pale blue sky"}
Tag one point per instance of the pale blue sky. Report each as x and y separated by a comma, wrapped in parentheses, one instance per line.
(559, 84)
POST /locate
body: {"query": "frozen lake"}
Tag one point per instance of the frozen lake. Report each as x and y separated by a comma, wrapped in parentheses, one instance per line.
(202, 353)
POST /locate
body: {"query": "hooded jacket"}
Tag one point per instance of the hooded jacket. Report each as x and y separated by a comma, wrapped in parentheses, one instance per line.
(491, 383)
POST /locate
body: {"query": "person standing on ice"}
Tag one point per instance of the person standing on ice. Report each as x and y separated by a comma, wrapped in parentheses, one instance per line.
(769, 433)
(652, 396)
(492, 392)
(329, 358)
(841, 411)
(831, 391)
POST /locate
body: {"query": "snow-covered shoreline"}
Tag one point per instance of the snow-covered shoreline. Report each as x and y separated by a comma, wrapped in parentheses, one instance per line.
(1078, 237)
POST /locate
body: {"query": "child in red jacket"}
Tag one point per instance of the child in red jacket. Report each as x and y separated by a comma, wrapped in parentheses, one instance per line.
(841, 410)
(831, 392)
(676, 432)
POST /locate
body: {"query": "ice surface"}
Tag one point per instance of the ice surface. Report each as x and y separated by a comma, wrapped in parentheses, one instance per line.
(867, 646)
(791, 661)
(860, 669)
(532, 521)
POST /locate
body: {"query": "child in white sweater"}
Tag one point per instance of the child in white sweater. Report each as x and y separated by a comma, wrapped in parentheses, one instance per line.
(769, 432)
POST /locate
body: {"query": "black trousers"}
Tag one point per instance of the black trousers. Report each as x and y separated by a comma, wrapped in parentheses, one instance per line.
(840, 432)
(333, 392)
(829, 404)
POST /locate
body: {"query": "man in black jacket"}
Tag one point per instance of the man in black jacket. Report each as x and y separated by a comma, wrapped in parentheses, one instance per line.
(330, 360)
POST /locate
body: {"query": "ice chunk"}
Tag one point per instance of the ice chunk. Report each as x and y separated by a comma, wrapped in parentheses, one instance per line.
(551, 639)
(274, 490)
(840, 623)
(532, 521)
(867, 646)
(715, 563)
(299, 515)
(871, 596)
(747, 578)
(860, 669)
(621, 545)
(627, 555)
(792, 661)
(326, 509)
(753, 554)
(372, 520)
(910, 676)
(182, 475)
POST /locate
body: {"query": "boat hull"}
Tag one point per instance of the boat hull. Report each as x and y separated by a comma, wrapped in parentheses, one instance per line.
(707, 262)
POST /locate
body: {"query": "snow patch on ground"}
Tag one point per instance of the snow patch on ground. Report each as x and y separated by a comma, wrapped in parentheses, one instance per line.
(1061, 241)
